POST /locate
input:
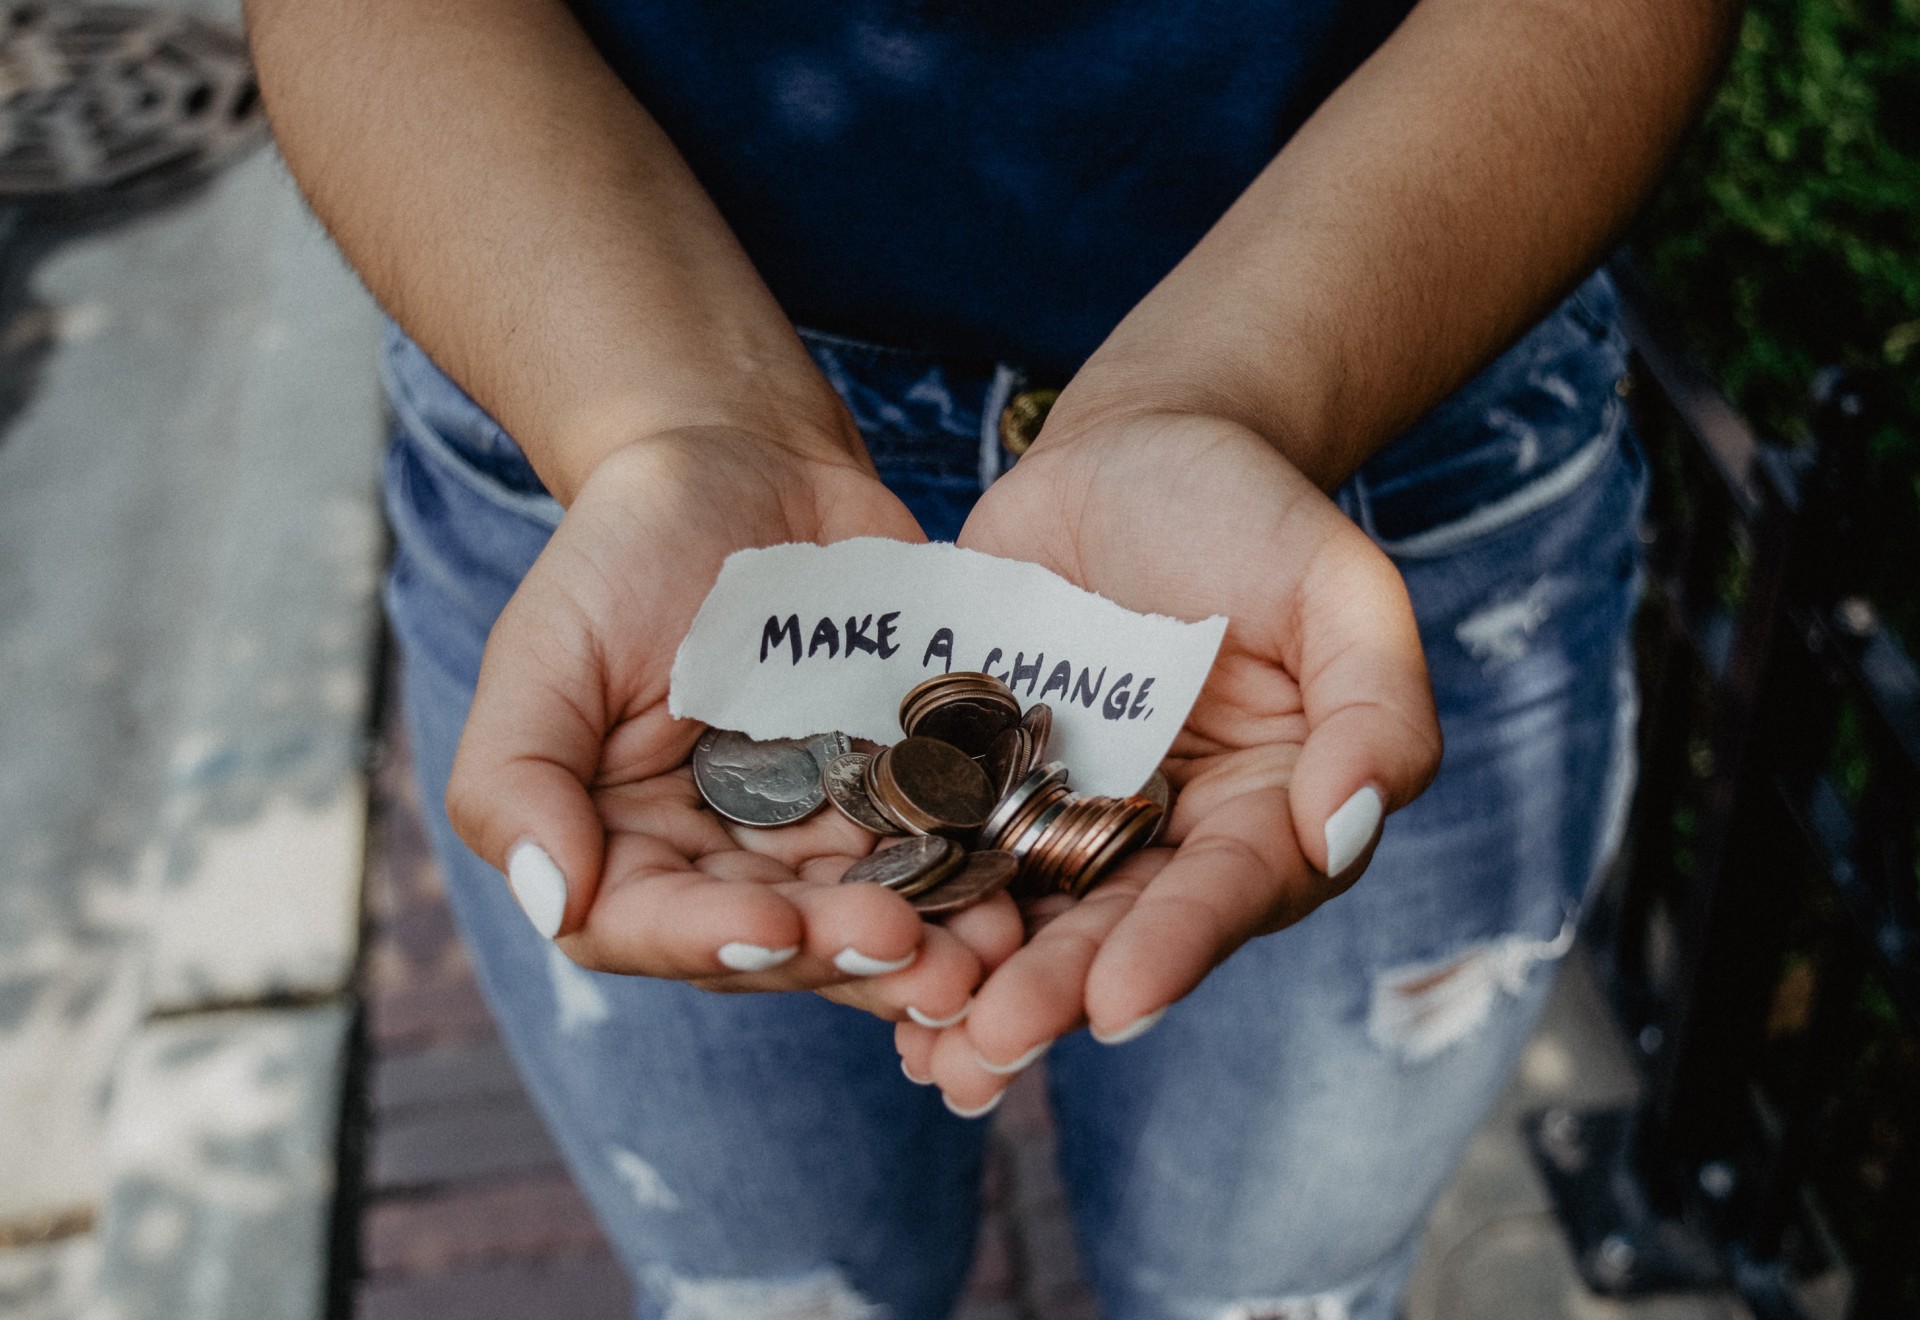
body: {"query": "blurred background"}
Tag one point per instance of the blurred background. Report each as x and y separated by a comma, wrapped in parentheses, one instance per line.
(244, 1071)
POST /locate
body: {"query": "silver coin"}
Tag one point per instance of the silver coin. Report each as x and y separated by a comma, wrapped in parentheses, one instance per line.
(1054, 772)
(755, 782)
(902, 864)
(826, 746)
(846, 784)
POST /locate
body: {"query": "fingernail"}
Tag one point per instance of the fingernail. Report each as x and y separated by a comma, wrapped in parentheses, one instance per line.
(917, 1081)
(539, 886)
(1138, 1027)
(743, 957)
(987, 1108)
(855, 963)
(937, 1023)
(1025, 1060)
(1351, 829)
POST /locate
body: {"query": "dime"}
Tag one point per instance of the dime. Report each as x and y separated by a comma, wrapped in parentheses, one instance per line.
(985, 874)
(901, 864)
(826, 746)
(932, 787)
(846, 785)
(768, 782)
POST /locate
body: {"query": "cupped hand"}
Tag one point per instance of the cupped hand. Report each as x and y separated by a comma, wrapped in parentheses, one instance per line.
(1317, 718)
(572, 777)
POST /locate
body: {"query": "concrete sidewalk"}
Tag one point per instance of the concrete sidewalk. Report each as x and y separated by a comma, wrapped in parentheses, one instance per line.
(189, 544)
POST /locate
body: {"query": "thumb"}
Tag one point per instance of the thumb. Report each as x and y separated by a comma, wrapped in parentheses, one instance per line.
(518, 795)
(1373, 738)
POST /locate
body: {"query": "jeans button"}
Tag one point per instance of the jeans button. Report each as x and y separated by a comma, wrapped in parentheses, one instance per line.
(1022, 418)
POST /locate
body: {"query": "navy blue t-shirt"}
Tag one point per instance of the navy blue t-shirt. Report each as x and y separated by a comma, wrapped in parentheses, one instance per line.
(996, 180)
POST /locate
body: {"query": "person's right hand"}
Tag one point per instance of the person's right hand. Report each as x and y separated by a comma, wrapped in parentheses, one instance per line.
(572, 777)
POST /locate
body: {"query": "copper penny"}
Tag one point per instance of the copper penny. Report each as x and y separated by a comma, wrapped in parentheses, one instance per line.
(983, 875)
(935, 786)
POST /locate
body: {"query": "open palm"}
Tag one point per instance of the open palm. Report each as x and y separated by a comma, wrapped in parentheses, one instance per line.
(569, 746)
(1319, 695)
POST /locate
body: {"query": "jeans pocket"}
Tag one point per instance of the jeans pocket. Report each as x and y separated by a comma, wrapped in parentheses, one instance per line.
(1525, 431)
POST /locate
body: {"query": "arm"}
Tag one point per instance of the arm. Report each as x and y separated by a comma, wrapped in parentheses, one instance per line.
(519, 212)
(513, 206)
(1465, 177)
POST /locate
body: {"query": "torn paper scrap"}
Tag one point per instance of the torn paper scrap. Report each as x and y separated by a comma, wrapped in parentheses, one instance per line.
(800, 639)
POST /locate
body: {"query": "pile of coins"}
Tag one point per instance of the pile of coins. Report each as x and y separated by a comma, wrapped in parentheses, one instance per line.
(969, 788)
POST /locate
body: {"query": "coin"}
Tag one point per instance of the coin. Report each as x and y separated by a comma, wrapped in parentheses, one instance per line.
(762, 782)
(994, 833)
(826, 746)
(932, 786)
(846, 785)
(983, 875)
(1009, 760)
(1159, 792)
(1039, 719)
(901, 864)
(967, 710)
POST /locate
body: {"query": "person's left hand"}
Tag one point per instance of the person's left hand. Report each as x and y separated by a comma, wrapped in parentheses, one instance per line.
(1317, 717)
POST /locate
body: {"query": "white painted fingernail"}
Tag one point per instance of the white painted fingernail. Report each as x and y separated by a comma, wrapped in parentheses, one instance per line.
(1351, 829)
(937, 1023)
(917, 1081)
(743, 957)
(1138, 1027)
(987, 1108)
(539, 886)
(855, 963)
(1024, 1061)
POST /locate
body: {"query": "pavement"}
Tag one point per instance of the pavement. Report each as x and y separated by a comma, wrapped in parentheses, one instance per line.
(189, 550)
(193, 760)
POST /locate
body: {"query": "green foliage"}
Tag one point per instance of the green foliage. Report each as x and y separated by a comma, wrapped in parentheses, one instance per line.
(1789, 234)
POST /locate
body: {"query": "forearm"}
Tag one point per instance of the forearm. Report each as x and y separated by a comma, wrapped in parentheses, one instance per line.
(1456, 185)
(515, 208)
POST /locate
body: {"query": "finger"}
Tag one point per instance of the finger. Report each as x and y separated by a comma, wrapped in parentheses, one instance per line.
(970, 1090)
(1373, 738)
(1238, 873)
(857, 930)
(518, 794)
(1039, 994)
(994, 929)
(658, 914)
(914, 1043)
(935, 990)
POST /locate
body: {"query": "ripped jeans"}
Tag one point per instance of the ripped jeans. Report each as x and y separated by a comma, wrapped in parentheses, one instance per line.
(1271, 1149)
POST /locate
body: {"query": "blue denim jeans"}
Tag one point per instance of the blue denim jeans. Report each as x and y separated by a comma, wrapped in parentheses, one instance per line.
(1273, 1146)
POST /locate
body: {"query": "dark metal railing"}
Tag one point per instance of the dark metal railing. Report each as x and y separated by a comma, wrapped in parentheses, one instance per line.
(1760, 936)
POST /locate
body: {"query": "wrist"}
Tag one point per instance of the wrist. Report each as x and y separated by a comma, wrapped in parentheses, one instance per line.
(817, 435)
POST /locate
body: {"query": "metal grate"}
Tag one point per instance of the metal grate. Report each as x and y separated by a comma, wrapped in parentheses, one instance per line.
(109, 101)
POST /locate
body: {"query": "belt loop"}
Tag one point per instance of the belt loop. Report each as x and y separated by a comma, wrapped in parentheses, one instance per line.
(1006, 382)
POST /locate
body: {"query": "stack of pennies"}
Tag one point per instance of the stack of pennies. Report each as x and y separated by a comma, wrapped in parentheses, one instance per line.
(968, 790)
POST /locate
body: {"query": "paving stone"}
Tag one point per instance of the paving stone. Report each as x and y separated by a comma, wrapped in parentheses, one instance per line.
(457, 1144)
(465, 1072)
(266, 821)
(188, 525)
(49, 1280)
(535, 1217)
(222, 1137)
(427, 1011)
(991, 1277)
(585, 1288)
